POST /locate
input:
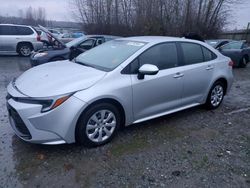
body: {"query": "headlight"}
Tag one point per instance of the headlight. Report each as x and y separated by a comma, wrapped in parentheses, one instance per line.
(52, 104)
(47, 104)
(40, 54)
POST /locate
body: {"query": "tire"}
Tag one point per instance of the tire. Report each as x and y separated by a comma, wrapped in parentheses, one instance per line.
(24, 49)
(91, 125)
(243, 62)
(215, 96)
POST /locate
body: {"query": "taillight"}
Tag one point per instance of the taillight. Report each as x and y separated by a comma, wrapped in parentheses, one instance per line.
(38, 38)
(231, 63)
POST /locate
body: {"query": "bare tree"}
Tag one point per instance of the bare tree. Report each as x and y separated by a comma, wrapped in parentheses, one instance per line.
(152, 17)
(35, 16)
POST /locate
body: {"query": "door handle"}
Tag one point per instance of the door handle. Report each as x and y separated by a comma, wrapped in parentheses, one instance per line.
(178, 75)
(209, 67)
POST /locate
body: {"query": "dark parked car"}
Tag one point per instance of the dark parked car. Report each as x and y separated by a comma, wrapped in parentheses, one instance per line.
(218, 42)
(57, 50)
(238, 51)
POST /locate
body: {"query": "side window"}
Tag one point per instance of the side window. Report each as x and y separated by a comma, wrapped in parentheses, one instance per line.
(24, 31)
(192, 53)
(164, 56)
(8, 30)
(208, 55)
(87, 44)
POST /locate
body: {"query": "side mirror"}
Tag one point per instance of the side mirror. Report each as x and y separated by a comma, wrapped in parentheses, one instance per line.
(147, 69)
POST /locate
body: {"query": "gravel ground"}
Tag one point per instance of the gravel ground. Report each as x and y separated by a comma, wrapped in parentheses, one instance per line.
(192, 148)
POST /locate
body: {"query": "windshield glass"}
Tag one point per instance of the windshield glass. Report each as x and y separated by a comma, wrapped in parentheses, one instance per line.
(212, 43)
(233, 45)
(110, 54)
(75, 41)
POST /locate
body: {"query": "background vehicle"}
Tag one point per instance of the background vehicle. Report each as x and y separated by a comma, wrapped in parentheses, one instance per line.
(67, 37)
(121, 82)
(55, 32)
(216, 43)
(19, 39)
(69, 50)
(238, 51)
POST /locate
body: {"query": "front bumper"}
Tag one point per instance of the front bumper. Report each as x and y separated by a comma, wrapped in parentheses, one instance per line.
(37, 45)
(54, 127)
(37, 61)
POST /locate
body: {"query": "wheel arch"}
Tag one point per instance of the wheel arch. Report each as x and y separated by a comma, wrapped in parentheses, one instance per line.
(224, 81)
(23, 42)
(246, 56)
(115, 102)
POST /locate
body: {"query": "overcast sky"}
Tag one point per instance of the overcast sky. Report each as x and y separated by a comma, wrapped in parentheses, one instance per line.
(59, 10)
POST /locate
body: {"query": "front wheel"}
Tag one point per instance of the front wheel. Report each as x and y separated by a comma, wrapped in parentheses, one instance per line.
(25, 50)
(216, 95)
(98, 125)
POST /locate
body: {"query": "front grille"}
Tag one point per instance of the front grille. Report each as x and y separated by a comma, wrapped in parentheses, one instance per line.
(19, 124)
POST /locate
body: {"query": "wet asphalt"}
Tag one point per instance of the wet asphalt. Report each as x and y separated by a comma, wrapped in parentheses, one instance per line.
(192, 148)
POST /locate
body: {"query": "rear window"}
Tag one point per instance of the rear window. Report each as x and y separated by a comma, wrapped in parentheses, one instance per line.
(192, 53)
(24, 30)
(208, 55)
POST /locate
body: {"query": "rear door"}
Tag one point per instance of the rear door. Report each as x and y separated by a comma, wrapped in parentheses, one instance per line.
(198, 71)
(156, 94)
(8, 38)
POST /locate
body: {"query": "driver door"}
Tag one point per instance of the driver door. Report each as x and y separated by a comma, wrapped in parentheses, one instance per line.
(161, 92)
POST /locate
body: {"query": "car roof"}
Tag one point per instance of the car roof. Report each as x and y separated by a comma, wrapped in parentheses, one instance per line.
(102, 36)
(158, 39)
(218, 40)
(16, 25)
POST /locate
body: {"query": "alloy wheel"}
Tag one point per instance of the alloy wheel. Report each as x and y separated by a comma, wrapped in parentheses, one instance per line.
(101, 126)
(217, 95)
(25, 50)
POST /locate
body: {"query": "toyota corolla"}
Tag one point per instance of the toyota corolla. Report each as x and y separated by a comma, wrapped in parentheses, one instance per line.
(117, 84)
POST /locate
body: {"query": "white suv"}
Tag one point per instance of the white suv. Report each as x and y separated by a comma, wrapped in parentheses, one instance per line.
(19, 38)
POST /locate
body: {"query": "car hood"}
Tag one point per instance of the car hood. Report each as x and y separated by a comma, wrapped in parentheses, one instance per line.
(51, 35)
(57, 78)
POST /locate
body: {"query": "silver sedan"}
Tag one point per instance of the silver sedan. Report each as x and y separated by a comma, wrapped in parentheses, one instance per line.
(117, 84)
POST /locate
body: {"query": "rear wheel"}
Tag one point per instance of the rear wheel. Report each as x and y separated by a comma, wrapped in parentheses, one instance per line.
(216, 95)
(243, 62)
(98, 125)
(24, 49)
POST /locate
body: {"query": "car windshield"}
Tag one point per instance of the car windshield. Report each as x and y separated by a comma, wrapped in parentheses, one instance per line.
(75, 41)
(110, 54)
(233, 45)
(212, 43)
